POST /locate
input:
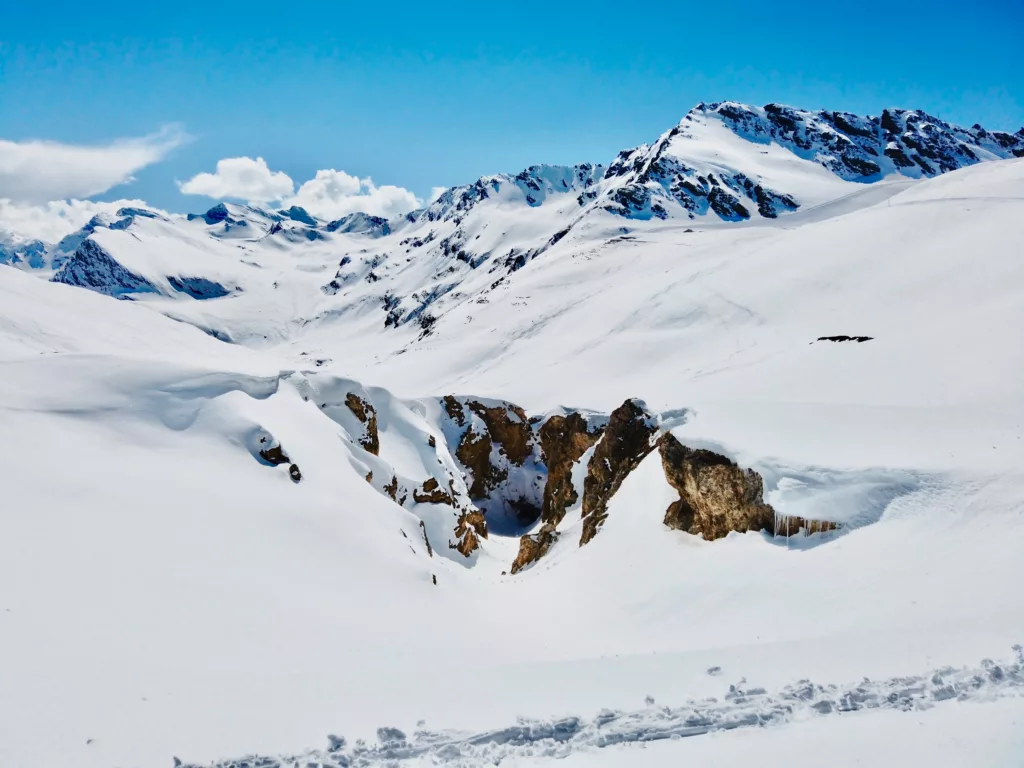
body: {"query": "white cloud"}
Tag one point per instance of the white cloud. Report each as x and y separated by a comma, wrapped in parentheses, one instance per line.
(242, 178)
(328, 195)
(332, 194)
(50, 221)
(38, 171)
(436, 192)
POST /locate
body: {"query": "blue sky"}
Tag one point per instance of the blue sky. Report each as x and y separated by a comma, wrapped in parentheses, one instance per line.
(428, 94)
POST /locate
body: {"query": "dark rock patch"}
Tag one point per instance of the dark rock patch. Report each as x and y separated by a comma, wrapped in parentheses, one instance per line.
(426, 540)
(198, 287)
(858, 339)
(367, 414)
(391, 489)
(470, 528)
(564, 440)
(626, 441)
(474, 452)
(431, 492)
(534, 546)
(512, 434)
(273, 454)
(94, 268)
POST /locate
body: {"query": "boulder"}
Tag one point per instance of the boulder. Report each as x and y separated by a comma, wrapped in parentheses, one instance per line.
(431, 492)
(716, 495)
(470, 528)
(534, 546)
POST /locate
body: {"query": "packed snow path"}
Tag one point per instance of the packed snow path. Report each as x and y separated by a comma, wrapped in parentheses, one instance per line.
(741, 706)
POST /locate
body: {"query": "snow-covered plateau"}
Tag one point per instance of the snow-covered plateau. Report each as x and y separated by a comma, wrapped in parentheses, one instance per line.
(710, 454)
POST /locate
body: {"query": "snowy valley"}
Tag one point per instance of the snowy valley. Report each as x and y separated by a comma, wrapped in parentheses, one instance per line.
(722, 438)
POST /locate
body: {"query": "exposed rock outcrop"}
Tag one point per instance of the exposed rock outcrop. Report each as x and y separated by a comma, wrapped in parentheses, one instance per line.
(564, 440)
(509, 427)
(454, 410)
(501, 458)
(474, 452)
(534, 546)
(198, 287)
(367, 414)
(431, 492)
(470, 528)
(716, 496)
(273, 453)
(625, 443)
(94, 268)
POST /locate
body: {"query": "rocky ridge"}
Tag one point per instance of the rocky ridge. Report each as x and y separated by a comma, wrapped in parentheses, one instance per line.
(496, 470)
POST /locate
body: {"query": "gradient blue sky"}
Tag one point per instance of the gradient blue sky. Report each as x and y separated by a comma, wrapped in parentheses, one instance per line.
(427, 94)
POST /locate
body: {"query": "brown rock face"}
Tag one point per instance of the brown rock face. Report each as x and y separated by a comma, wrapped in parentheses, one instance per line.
(432, 493)
(474, 452)
(391, 489)
(564, 439)
(626, 441)
(534, 546)
(715, 495)
(454, 410)
(367, 414)
(513, 435)
(469, 529)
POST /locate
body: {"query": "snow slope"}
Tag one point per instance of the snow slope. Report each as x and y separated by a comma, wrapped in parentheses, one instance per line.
(167, 591)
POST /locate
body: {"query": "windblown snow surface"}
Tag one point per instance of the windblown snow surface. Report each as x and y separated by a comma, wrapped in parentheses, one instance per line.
(166, 592)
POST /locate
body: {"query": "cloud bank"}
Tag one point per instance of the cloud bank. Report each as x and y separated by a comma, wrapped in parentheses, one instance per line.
(50, 221)
(329, 195)
(36, 171)
(242, 178)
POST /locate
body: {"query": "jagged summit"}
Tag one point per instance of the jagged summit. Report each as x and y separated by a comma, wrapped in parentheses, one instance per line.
(360, 223)
(910, 142)
(694, 170)
(531, 186)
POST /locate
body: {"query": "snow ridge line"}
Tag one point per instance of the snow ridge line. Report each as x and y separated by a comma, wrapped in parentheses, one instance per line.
(739, 707)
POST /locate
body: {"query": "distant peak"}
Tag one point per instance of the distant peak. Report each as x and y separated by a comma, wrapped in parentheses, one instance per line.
(295, 213)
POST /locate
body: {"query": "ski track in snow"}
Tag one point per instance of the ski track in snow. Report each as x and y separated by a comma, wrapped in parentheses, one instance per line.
(742, 706)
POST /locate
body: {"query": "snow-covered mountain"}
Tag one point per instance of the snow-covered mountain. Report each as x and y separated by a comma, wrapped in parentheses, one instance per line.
(724, 163)
(692, 441)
